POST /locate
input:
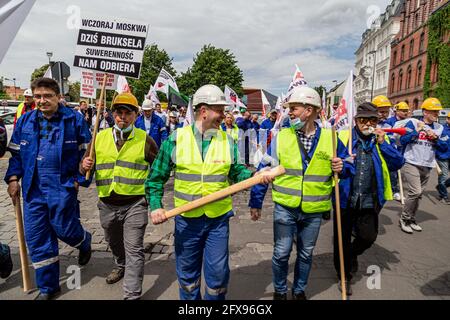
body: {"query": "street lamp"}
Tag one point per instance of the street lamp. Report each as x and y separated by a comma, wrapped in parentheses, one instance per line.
(49, 55)
(373, 52)
(14, 80)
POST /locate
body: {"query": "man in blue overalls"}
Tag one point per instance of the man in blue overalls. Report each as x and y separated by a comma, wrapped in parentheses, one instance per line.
(152, 123)
(46, 147)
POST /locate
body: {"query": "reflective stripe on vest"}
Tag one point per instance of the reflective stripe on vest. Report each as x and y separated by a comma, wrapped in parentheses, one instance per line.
(344, 136)
(195, 178)
(123, 172)
(311, 189)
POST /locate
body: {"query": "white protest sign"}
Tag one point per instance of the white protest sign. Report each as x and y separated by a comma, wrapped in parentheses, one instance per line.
(111, 45)
(87, 88)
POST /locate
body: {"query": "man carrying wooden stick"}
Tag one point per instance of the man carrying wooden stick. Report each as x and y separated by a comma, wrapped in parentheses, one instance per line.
(303, 194)
(204, 159)
(46, 147)
(364, 193)
(123, 157)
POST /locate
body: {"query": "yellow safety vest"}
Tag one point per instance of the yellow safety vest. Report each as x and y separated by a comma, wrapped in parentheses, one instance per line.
(123, 172)
(311, 189)
(234, 133)
(344, 136)
(196, 178)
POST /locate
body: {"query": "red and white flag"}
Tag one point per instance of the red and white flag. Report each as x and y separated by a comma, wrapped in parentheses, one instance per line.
(343, 119)
(152, 95)
(265, 104)
(297, 80)
(163, 82)
(189, 120)
(231, 96)
(122, 85)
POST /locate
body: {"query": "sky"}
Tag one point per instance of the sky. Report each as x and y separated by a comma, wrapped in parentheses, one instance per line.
(267, 37)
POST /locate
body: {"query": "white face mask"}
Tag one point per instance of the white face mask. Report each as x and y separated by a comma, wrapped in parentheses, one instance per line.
(368, 131)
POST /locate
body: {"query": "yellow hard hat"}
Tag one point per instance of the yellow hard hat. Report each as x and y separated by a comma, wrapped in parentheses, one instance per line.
(432, 104)
(381, 102)
(127, 99)
(402, 106)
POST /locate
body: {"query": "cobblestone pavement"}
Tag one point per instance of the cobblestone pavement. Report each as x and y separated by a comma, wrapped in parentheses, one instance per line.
(412, 266)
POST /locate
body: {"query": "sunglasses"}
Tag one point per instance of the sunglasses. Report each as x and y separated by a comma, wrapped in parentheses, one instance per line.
(372, 120)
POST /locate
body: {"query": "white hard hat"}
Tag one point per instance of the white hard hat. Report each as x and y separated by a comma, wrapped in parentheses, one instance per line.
(305, 95)
(28, 93)
(211, 95)
(147, 105)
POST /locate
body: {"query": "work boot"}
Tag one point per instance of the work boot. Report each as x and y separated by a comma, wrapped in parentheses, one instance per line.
(6, 264)
(48, 296)
(348, 287)
(299, 296)
(116, 274)
(279, 296)
(405, 226)
(84, 257)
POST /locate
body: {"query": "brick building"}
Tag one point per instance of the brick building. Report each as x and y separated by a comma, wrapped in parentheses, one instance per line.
(409, 53)
(253, 99)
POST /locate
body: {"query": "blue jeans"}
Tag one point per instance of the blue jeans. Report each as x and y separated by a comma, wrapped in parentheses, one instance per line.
(443, 179)
(289, 223)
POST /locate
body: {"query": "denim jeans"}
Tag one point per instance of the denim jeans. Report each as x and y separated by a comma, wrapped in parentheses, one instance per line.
(443, 179)
(289, 223)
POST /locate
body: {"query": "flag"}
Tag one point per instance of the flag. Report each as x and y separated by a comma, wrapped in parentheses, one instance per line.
(189, 120)
(48, 73)
(122, 85)
(177, 98)
(280, 119)
(297, 80)
(231, 96)
(163, 82)
(152, 95)
(345, 112)
(12, 14)
(265, 104)
(278, 105)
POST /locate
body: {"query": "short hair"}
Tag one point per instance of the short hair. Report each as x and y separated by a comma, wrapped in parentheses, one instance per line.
(82, 101)
(45, 83)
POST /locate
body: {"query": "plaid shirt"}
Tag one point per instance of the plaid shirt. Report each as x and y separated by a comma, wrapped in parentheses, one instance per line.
(163, 165)
(307, 141)
(46, 125)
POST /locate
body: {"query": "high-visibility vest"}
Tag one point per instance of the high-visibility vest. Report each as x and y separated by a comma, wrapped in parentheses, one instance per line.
(344, 136)
(196, 178)
(19, 111)
(123, 172)
(311, 189)
(234, 132)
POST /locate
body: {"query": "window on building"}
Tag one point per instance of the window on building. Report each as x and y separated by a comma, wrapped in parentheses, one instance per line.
(393, 83)
(400, 80)
(408, 77)
(394, 59)
(419, 74)
(416, 21)
(402, 53)
(411, 48)
(422, 42)
(415, 104)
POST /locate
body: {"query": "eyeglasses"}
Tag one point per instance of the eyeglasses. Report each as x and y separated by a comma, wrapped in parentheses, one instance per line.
(45, 96)
(372, 120)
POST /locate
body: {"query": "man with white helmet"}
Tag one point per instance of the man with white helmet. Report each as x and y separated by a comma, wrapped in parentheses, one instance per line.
(303, 194)
(25, 106)
(151, 123)
(202, 157)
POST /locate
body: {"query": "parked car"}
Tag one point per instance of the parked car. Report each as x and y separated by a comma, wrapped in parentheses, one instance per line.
(417, 114)
(8, 119)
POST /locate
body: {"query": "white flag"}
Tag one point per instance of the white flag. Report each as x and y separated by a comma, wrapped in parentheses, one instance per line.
(122, 85)
(12, 14)
(265, 104)
(163, 82)
(278, 105)
(297, 80)
(48, 73)
(189, 120)
(152, 95)
(346, 110)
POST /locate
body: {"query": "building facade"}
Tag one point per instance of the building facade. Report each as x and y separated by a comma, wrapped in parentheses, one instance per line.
(374, 54)
(409, 52)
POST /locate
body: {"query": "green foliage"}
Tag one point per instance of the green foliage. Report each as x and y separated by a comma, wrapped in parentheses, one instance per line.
(3, 94)
(154, 59)
(74, 91)
(39, 72)
(212, 66)
(439, 53)
(320, 90)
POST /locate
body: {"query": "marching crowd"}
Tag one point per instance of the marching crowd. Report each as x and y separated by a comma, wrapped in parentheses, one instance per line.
(139, 147)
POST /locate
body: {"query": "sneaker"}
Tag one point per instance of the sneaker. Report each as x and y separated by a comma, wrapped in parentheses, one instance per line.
(48, 296)
(115, 275)
(348, 287)
(444, 201)
(84, 257)
(279, 296)
(405, 226)
(397, 197)
(6, 265)
(299, 296)
(413, 225)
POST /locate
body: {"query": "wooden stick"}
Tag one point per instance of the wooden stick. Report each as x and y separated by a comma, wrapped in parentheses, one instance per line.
(97, 121)
(338, 219)
(22, 247)
(400, 184)
(275, 172)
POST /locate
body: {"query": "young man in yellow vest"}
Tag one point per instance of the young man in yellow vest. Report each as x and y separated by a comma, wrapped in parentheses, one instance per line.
(364, 193)
(204, 159)
(123, 156)
(303, 194)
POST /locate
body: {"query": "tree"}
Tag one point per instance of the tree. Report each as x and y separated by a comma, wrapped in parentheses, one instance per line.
(39, 72)
(212, 66)
(74, 91)
(153, 61)
(3, 95)
(320, 90)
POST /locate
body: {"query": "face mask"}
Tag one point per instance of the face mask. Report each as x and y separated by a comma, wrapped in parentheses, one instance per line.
(124, 130)
(368, 131)
(297, 124)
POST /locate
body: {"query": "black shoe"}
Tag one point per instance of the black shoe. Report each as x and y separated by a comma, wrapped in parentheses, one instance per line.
(348, 287)
(354, 264)
(115, 275)
(326, 215)
(84, 257)
(279, 296)
(6, 265)
(299, 296)
(48, 296)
